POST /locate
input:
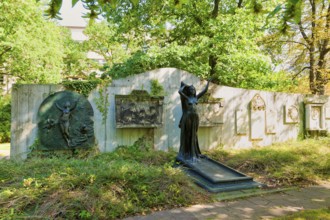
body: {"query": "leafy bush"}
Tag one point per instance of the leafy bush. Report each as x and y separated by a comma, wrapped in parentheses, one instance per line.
(5, 117)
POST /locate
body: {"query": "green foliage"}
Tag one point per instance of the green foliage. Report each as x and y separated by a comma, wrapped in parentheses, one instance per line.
(302, 125)
(83, 87)
(35, 153)
(297, 37)
(104, 39)
(102, 102)
(185, 38)
(31, 48)
(206, 38)
(76, 62)
(130, 180)
(5, 117)
(156, 88)
(291, 163)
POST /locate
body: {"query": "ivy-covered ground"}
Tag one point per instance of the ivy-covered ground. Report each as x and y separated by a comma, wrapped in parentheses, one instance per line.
(136, 179)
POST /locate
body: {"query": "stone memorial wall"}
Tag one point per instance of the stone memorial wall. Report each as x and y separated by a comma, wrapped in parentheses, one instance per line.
(229, 117)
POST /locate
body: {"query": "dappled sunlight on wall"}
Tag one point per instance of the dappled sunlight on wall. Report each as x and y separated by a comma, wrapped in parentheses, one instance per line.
(240, 127)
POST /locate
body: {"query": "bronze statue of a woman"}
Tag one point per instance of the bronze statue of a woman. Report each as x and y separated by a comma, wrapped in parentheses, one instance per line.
(189, 148)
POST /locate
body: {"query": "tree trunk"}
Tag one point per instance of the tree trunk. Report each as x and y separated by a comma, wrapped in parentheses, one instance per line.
(212, 64)
(312, 77)
(213, 58)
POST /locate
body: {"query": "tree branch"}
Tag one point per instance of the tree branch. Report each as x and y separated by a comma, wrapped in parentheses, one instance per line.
(196, 18)
(327, 26)
(289, 41)
(297, 74)
(302, 31)
(240, 4)
(10, 74)
(5, 51)
(215, 11)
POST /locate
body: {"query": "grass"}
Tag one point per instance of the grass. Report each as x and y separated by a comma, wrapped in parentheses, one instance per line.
(136, 179)
(130, 180)
(296, 163)
(317, 214)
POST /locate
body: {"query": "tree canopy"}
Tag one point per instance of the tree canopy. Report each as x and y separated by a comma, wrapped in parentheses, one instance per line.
(245, 43)
(31, 48)
(302, 32)
(203, 37)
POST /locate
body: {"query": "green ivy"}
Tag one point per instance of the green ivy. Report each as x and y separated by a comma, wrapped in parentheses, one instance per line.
(102, 102)
(82, 87)
(302, 134)
(5, 115)
(156, 88)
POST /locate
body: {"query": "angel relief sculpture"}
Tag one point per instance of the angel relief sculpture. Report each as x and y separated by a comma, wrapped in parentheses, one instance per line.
(64, 119)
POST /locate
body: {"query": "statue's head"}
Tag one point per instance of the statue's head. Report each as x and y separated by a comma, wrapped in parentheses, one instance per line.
(67, 104)
(191, 90)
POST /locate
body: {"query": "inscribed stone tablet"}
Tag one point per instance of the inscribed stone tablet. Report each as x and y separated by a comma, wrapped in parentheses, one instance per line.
(210, 114)
(258, 123)
(271, 121)
(241, 122)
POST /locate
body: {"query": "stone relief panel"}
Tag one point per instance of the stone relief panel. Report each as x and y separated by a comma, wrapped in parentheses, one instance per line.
(271, 121)
(65, 121)
(139, 109)
(291, 114)
(257, 118)
(241, 121)
(210, 114)
(315, 117)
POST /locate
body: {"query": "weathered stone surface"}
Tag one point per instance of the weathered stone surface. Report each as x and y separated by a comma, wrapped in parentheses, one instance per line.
(291, 113)
(257, 122)
(315, 117)
(65, 121)
(139, 109)
(271, 121)
(327, 113)
(241, 122)
(211, 114)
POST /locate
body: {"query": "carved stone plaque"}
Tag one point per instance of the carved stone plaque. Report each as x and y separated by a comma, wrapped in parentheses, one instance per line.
(291, 114)
(241, 122)
(139, 110)
(210, 114)
(65, 121)
(257, 118)
(315, 117)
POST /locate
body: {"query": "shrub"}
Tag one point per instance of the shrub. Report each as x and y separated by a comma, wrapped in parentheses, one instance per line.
(5, 117)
